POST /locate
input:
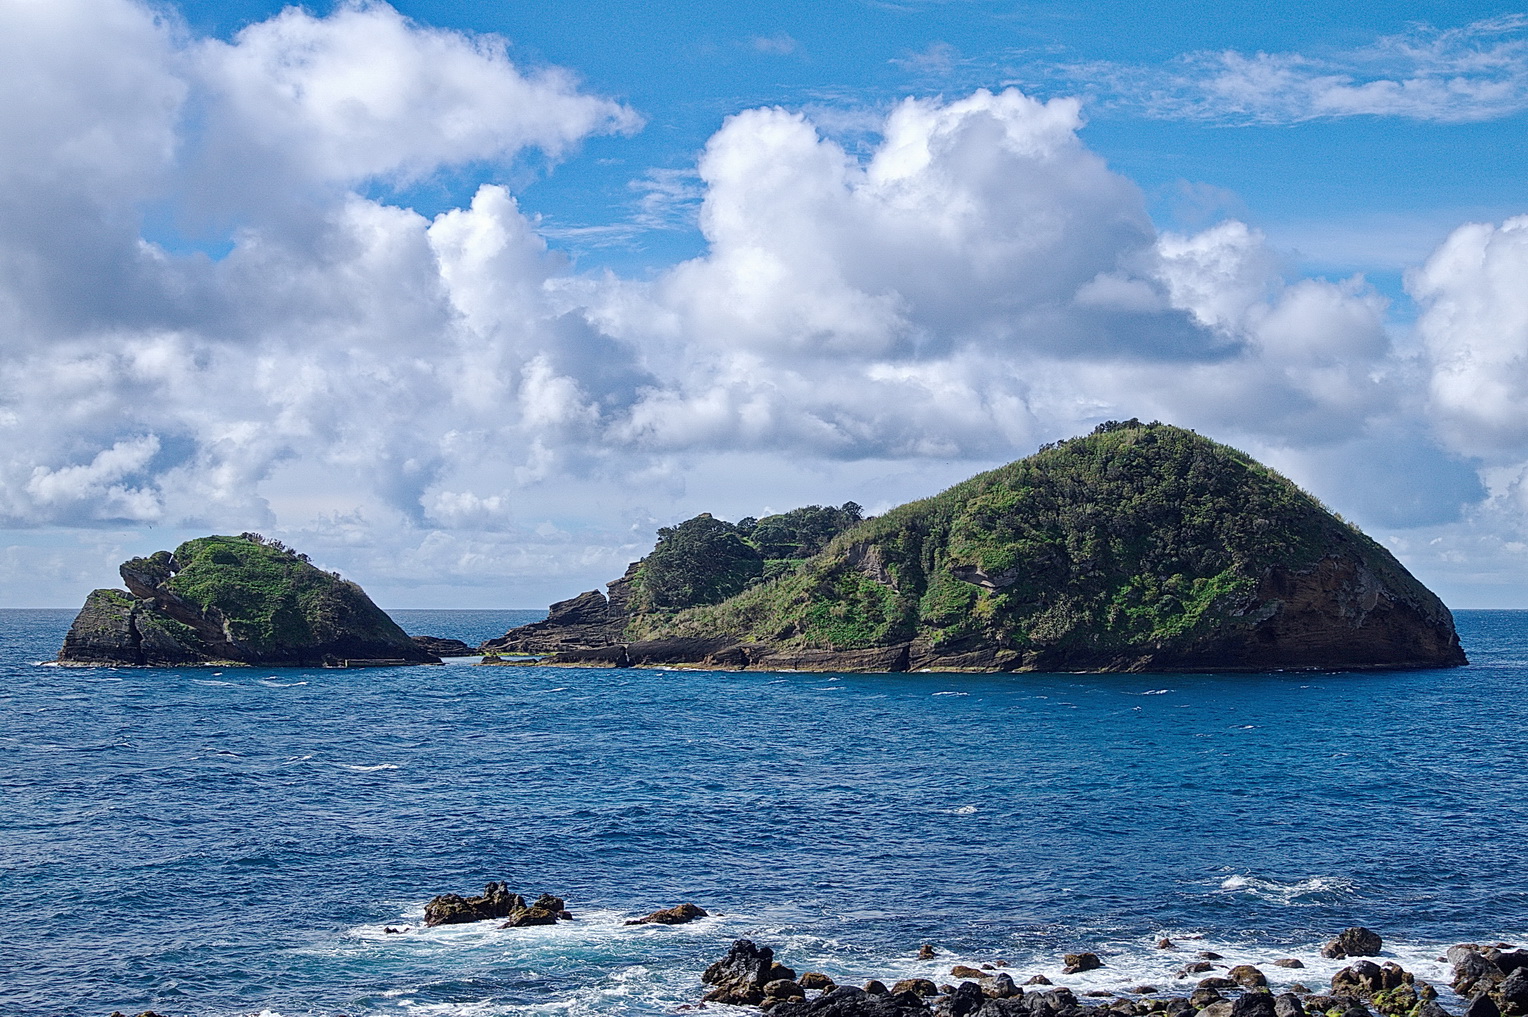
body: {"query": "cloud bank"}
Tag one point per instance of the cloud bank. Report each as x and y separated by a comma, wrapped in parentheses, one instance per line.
(443, 401)
(1476, 72)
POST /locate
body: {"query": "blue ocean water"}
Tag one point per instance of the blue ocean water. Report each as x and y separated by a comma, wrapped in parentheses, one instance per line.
(229, 842)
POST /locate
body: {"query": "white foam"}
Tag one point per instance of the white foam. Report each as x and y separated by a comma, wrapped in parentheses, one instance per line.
(358, 768)
(597, 966)
(1288, 892)
(952, 693)
(272, 683)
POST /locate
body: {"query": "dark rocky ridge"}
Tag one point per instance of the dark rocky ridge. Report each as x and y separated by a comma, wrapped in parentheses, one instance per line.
(1136, 548)
(233, 600)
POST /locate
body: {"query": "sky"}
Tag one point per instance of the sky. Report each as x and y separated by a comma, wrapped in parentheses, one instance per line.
(466, 299)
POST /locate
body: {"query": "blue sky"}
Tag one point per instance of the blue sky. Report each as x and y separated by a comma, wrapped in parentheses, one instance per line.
(466, 299)
(1361, 193)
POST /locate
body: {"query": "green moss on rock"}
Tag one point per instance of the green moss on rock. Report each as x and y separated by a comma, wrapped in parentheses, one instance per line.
(233, 599)
(1139, 546)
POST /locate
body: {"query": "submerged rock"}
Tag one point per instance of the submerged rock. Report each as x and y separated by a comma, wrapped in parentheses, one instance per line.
(679, 914)
(234, 600)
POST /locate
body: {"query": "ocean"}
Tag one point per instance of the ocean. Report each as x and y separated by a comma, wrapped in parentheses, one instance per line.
(221, 842)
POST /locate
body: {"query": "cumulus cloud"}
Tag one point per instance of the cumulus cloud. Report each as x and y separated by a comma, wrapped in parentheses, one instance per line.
(1475, 72)
(1474, 325)
(443, 400)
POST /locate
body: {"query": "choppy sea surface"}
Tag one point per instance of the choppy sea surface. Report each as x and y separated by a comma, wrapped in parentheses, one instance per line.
(219, 842)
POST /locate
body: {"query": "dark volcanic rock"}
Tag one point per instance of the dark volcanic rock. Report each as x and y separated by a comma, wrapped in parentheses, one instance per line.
(847, 1001)
(583, 622)
(1078, 962)
(546, 911)
(1287, 1004)
(592, 656)
(443, 647)
(1247, 975)
(1510, 961)
(1512, 993)
(234, 600)
(1353, 942)
(679, 914)
(453, 909)
(1254, 1004)
(739, 978)
(1474, 972)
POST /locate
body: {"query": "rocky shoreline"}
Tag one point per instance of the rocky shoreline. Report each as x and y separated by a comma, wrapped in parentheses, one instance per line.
(1488, 979)
(1492, 979)
(1485, 979)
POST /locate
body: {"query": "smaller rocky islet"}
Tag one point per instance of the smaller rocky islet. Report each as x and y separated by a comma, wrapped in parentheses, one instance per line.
(234, 600)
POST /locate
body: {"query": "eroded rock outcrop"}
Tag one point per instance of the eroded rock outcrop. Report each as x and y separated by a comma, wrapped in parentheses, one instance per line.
(679, 914)
(495, 902)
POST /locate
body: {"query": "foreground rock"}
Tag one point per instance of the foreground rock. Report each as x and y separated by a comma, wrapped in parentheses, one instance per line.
(739, 978)
(234, 600)
(1494, 978)
(676, 915)
(495, 902)
(1225, 566)
(750, 975)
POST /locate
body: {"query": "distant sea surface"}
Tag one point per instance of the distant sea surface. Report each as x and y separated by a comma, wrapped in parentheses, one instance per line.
(220, 842)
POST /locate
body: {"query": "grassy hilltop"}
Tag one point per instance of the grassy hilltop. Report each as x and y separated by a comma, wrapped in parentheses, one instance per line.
(1139, 545)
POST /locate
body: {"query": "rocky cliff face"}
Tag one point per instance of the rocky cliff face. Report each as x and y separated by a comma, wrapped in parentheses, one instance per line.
(1136, 548)
(232, 600)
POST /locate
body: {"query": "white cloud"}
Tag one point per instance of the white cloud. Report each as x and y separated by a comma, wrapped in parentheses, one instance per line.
(1474, 325)
(427, 400)
(365, 93)
(1476, 72)
(779, 44)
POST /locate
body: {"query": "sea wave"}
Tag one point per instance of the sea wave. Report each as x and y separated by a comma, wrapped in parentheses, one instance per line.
(1312, 890)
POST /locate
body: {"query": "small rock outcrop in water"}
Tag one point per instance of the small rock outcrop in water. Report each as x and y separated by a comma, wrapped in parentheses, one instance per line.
(1140, 547)
(679, 914)
(739, 978)
(440, 646)
(494, 902)
(1354, 942)
(234, 600)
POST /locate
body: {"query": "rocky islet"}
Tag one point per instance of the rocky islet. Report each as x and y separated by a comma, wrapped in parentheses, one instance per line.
(241, 600)
(1140, 547)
